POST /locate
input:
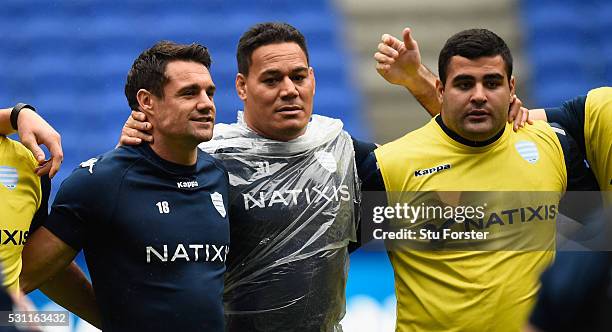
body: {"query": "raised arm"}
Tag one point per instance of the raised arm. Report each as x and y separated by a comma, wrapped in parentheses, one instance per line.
(399, 62)
(34, 130)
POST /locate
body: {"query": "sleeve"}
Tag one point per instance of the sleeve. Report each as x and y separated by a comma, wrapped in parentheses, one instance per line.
(579, 174)
(372, 181)
(362, 152)
(579, 178)
(372, 178)
(571, 117)
(73, 209)
(43, 211)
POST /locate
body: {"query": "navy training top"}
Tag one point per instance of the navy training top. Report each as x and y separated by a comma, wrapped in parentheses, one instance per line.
(155, 236)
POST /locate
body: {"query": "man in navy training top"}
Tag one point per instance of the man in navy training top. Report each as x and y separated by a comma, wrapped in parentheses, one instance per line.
(152, 219)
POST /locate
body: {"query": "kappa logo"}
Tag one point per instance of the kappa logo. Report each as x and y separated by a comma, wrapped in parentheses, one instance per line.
(9, 177)
(432, 170)
(187, 184)
(217, 200)
(327, 160)
(89, 164)
(528, 150)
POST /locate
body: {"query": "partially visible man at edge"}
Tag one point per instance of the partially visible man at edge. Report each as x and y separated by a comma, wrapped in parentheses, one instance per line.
(576, 291)
(24, 195)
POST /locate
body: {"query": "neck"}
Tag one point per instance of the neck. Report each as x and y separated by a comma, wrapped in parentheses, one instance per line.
(277, 136)
(175, 151)
(478, 142)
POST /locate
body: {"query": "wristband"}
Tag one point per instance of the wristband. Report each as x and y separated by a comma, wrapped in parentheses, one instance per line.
(15, 113)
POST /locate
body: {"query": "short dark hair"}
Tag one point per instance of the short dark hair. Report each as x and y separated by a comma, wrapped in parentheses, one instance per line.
(148, 70)
(265, 34)
(473, 44)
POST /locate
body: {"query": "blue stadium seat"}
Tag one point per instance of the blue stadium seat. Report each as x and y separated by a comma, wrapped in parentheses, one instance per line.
(567, 45)
(71, 58)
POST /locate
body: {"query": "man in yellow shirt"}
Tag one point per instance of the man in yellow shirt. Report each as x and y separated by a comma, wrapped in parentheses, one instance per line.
(465, 149)
(22, 196)
(24, 193)
(586, 118)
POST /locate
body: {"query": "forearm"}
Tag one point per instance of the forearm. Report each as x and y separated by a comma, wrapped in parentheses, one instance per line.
(5, 122)
(422, 85)
(73, 291)
(43, 257)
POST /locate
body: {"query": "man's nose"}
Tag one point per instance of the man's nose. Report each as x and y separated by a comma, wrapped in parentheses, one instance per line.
(288, 88)
(479, 95)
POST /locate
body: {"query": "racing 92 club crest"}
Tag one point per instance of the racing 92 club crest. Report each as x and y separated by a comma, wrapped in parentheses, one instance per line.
(217, 200)
(327, 161)
(528, 151)
(9, 177)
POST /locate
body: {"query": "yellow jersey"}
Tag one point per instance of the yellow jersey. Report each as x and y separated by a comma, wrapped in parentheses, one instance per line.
(474, 290)
(20, 197)
(598, 136)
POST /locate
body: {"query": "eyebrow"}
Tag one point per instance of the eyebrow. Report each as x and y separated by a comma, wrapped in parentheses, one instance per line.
(211, 89)
(277, 72)
(486, 77)
(494, 77)
(187, 88)
(463, 78)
